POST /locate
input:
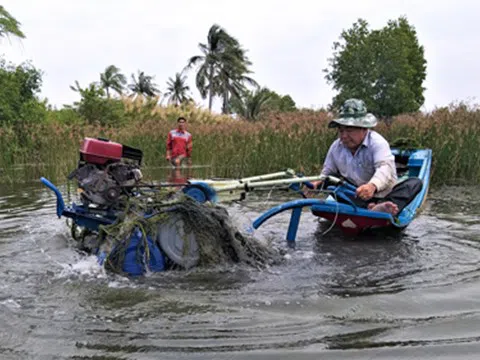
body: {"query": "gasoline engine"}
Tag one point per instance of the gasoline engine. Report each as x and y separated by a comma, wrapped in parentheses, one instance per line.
(107, 172)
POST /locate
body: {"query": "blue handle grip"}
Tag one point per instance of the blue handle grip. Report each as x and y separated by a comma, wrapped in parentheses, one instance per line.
(309, 185)
(349, 186)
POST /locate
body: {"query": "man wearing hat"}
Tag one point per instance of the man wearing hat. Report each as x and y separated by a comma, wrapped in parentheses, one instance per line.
(364, 158)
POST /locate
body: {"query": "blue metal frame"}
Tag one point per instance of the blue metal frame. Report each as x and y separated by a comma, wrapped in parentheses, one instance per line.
(80, 214)
(344, 191)
(296, 207)
(91, 218)
(60, 202)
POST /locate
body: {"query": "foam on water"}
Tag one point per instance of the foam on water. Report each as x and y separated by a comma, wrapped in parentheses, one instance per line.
(86, 266)
(11, 304)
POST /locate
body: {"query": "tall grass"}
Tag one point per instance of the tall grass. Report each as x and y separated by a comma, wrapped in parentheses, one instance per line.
(234, 148)
(452, 133)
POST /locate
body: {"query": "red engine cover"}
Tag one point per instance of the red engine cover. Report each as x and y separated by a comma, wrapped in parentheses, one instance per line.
(99, 152)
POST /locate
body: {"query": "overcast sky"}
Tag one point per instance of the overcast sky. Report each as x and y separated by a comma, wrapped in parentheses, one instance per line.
(288, 42)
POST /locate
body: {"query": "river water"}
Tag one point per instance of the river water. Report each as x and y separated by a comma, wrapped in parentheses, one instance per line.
(412, 295)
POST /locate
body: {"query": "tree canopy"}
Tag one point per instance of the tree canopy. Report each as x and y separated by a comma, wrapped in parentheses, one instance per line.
(94, 107)
(252, 103)
(9, 25)
(19, 85)
(143, 85)
(385, 68)
(113, 79)
(222, 67)
(177, 90)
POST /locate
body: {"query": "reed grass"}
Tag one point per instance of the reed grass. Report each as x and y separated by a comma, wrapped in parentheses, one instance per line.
(233, 148)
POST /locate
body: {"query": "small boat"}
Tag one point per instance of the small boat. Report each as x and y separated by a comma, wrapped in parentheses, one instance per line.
(351, 219)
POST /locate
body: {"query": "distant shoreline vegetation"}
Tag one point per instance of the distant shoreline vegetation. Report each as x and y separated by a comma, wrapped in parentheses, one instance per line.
(277, 140)
(271, 133)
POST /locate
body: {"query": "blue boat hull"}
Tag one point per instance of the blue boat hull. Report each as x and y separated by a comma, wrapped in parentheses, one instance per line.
(352, 219)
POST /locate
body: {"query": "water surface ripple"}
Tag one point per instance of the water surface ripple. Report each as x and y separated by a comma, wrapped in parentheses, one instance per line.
(415, 294)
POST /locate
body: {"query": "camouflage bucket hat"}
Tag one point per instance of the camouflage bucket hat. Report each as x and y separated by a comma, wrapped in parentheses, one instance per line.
(354, 113)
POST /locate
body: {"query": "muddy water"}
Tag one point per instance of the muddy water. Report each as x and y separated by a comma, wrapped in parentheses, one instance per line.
(413, 295)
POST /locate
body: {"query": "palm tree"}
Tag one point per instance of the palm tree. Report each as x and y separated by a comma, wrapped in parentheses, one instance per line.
(9, 25)
(143, 85)
(77, 87)
(232, 76)
(113, 79)
(93, 90)
(251, 104)
(218, 42)
(177, 90)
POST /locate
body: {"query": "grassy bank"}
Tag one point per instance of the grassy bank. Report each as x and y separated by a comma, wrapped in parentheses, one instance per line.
(234, 148)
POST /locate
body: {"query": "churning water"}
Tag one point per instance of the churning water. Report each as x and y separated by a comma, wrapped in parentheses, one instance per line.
(413, 295)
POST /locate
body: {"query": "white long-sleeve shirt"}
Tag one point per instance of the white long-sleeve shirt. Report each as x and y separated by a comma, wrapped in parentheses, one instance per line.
(372, 162)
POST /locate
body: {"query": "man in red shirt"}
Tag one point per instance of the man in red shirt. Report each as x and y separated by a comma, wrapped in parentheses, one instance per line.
(179, 144)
